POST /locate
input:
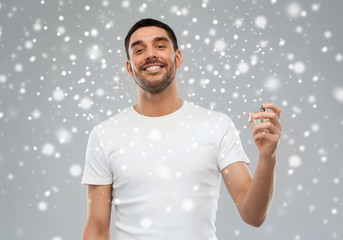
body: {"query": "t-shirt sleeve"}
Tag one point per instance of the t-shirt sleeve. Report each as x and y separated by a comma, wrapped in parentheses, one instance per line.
(97, 170)
(230, 148)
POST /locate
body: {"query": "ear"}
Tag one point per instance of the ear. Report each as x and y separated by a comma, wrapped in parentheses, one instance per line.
(129, 68)
(178, 58)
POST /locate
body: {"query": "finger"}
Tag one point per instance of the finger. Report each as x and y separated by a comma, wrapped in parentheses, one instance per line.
(275, 108)
(272, 116)
(259, 132)
(259, 128)
(266, 136)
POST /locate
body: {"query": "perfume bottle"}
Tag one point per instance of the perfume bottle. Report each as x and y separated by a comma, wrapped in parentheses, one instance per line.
(253, 121)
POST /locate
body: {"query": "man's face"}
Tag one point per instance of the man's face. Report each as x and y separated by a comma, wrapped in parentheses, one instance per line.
(153, 61)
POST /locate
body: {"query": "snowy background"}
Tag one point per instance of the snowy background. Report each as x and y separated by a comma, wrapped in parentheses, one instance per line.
(62, 71)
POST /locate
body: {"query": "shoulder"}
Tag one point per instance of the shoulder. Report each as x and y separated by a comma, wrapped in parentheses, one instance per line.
(115, 121)
(211, 118)
(208, 114)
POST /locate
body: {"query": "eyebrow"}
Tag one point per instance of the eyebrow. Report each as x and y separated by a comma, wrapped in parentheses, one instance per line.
(156, 39)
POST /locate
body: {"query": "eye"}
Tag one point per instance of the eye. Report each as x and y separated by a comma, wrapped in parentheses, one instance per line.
(160, 46)
(139, 50)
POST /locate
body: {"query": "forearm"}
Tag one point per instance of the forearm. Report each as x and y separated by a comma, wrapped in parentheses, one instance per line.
(257, 200)
(91, 233)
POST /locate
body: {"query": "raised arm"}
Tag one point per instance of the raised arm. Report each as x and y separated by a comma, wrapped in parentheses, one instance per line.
(253, 195)
(99, 198)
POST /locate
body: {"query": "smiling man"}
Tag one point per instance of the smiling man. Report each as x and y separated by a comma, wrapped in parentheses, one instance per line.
(160, 161)
(152, 67)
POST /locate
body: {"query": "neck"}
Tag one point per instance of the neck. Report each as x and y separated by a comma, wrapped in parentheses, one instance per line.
(156, 105)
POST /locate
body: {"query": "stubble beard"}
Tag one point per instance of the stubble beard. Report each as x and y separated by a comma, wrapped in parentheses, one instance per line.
(157, 85)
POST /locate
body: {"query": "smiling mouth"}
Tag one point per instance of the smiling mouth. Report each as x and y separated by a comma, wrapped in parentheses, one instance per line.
(154, 68)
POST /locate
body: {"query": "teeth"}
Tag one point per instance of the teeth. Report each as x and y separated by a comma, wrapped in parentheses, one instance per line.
(153, 68)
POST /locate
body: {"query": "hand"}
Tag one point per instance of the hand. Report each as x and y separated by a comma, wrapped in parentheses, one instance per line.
(267, 134)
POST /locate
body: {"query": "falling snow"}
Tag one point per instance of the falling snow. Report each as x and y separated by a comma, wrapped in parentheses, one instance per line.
(48, 149)
(294, 10)
(338, 94)
(220, 45)
(63, 136)
(42, 206)
(63, 71)
(56, 238)
(261, 22)
(272, 84)
(294, 161)
(187, 205)
(75, 170)
(155, 135)
(146, 222)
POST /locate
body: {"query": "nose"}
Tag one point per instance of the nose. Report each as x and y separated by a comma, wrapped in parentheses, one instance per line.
(150, 53)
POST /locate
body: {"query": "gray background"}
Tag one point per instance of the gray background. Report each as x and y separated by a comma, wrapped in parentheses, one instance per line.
(62, 72)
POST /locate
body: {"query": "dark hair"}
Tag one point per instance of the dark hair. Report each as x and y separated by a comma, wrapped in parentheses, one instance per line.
(147, 22)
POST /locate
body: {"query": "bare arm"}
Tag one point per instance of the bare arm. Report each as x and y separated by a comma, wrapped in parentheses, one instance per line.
(99, 199)
(253, 195)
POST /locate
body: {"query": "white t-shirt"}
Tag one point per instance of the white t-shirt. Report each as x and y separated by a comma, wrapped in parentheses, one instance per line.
(164, 171)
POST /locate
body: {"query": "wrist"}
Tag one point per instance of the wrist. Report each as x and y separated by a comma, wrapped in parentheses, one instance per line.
(268, 161)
